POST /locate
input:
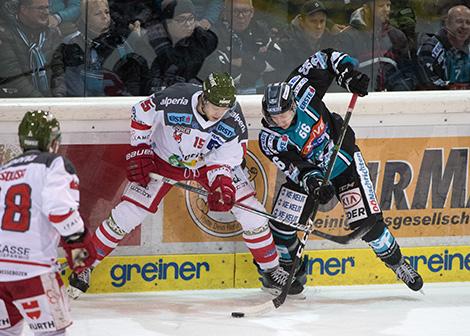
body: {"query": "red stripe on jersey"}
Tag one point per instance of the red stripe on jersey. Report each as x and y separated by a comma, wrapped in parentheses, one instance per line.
(244, 148)
(139, 126)
(32, 263)
(60, 218)
(259, 239)
(107, 235)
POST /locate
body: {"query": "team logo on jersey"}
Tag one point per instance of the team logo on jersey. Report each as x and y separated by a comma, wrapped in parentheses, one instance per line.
(294, 80)
(225, 130)
(174, 101)
(317, 136)
(224, 224)
(282, 143)
(182, 129)
(215, 142)
(299, 86)
(306, 98)
(178, 136)
(180, 118)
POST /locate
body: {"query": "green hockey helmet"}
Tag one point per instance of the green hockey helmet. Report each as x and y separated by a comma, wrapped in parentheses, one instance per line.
(38, 130)
(219, 89)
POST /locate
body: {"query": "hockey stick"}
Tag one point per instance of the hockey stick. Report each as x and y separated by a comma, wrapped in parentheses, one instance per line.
(281, 298)
(346, 239)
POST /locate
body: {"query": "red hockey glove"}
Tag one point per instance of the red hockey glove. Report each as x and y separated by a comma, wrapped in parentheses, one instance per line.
(140, 162)
(80, 251)
(221, 194)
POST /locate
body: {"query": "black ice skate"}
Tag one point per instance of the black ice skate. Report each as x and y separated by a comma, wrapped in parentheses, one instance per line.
(407, 274)
(79, 283)
(273, 281)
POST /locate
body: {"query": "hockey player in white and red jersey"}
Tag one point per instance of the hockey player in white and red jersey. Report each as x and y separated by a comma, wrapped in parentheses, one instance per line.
(187, 132)
(39, 200)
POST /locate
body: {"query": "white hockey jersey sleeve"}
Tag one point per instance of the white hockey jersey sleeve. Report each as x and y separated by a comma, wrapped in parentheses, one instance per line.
(143, 116)
(61, 199)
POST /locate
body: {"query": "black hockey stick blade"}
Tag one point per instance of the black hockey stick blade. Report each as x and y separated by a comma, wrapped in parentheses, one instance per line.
(346, 239)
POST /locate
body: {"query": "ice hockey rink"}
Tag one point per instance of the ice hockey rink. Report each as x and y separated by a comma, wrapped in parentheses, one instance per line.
(376, 310)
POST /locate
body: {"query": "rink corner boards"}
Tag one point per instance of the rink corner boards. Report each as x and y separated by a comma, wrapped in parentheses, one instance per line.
(223, 271)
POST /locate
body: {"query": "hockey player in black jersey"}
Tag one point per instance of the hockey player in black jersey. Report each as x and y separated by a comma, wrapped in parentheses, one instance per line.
(298, 135)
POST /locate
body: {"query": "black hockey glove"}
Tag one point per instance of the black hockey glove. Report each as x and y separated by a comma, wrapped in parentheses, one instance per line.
(357, 82)
(313, 186)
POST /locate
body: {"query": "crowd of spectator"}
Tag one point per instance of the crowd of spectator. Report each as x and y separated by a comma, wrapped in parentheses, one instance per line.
(67, 48)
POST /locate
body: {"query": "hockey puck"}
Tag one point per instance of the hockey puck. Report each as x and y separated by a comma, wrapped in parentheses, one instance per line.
(238, 314)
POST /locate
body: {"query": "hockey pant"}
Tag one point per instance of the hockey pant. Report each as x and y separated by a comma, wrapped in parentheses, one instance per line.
(356, 193)
(137, 202)
(40, 301)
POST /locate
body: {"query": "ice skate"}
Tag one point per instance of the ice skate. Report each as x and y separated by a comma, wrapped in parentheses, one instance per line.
(272, 282)
(407, 274)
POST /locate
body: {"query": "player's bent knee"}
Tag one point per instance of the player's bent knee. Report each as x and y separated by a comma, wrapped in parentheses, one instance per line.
(250, 221)
(127, 216)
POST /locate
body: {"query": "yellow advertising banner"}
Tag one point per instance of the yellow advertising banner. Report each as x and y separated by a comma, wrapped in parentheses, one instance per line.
(362, 267)
(223, 271)
(421, 183)
(162, 273)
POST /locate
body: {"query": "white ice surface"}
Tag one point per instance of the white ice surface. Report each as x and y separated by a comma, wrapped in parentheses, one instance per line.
(377, 310)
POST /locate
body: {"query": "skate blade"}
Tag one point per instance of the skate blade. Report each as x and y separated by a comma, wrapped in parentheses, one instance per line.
(73, 293)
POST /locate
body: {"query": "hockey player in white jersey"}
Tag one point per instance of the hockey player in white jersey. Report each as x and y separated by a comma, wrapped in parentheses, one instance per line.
(39, 200)
(187, 132)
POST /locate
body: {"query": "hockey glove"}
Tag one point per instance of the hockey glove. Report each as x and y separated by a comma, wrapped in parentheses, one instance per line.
(79, 251)
(140, 162)
(221, 194)
(313, 186)
(357, 82)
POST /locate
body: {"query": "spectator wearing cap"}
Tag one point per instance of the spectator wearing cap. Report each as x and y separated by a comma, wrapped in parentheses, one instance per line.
(187, 47)
(381, 49)
(445, 56)
(306, 34)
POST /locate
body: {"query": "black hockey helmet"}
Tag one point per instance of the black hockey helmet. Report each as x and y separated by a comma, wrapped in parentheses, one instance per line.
(277, 99)
(38, 130)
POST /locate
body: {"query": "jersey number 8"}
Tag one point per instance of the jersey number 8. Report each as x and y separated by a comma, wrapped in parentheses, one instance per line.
(17, 215)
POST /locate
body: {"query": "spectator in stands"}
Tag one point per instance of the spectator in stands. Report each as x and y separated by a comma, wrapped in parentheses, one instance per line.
(306, 34)
(445, 56)
(246, 46)
(64, 14)
(189, 45)
(27, 44)
(97, 61)
(207, 12)
(381, 49)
